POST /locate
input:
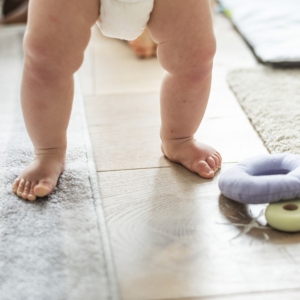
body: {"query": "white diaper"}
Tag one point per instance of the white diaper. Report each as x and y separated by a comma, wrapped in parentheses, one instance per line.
(124, 19)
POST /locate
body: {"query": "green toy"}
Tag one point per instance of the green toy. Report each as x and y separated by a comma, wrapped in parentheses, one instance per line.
(284, 216)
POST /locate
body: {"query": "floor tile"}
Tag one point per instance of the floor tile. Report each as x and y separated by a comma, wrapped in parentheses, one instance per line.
(174, 235)
(117, 70)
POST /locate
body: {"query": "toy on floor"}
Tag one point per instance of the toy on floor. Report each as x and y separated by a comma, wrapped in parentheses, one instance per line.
(265, 179)
(284, 215)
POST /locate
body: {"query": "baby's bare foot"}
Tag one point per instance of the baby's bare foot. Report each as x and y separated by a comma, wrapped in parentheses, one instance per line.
(143, 46)
(40, 177)
(197, 157)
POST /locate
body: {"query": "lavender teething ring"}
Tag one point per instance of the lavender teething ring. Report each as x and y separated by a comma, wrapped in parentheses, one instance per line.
(263, 179)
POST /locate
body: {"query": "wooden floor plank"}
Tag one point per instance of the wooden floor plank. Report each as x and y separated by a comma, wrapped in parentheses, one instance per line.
(173, 234)
(125, 131)
(275, 295)
(116, 69)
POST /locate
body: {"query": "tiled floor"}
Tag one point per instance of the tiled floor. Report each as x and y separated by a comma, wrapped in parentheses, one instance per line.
(167, 224)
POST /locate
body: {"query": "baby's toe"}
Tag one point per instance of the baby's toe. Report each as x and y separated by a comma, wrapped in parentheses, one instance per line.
(43, 188)
(21, 187)
(26, 190)
(203, 169)
(16, 185)
(212, 163)
(31, 195)
(217, 161)
(219, 156)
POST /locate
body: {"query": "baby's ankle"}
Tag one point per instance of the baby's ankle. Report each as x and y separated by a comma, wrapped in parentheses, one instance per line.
(171, 145)
(55, 151)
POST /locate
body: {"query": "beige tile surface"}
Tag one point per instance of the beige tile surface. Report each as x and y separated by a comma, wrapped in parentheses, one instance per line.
(173, 234)
(116, 70)
(232, 51)
(285, 294)
(125, 131)
(234, 137)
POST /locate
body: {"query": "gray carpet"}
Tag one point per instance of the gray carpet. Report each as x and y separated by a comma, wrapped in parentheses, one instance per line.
(56, 248)
(271, 100)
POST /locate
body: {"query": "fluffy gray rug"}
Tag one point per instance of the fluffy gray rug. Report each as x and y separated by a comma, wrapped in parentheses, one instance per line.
(271, 99)
(56, 248)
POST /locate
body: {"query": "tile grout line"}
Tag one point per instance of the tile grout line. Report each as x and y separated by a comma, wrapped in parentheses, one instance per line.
(228, 296)
(149, 168)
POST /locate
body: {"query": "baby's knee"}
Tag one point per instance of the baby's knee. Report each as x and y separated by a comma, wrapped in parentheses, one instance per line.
(194, 61)
(49, 60)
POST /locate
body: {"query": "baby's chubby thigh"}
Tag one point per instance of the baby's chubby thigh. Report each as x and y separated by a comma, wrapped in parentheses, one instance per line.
(184, 32)
(58, 32)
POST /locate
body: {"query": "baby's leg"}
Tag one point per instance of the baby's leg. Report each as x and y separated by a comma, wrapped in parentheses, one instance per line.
(186, 47)
(56, 37)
